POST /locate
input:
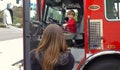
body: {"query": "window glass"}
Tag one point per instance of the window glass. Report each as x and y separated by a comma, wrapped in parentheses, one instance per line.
(33, 10)
(113, 9)
(55, 14)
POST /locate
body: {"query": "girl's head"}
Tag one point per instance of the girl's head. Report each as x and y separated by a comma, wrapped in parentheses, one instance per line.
(52, 44)
(70, 14)
(53, 36)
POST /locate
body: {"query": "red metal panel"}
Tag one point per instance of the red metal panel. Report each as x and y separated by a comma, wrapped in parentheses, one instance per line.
(38, 9)
(111, 29)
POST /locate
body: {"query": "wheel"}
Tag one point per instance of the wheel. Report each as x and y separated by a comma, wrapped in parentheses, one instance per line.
(104, 64)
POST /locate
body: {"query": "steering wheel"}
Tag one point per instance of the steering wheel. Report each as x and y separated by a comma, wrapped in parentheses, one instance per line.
(53, 21)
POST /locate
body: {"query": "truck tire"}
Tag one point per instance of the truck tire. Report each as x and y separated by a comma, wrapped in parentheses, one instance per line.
(105, 64)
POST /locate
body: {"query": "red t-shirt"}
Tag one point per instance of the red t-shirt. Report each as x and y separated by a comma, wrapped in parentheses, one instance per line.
(71, 25)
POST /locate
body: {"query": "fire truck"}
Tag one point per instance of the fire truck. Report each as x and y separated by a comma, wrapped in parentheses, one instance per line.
(97, 23)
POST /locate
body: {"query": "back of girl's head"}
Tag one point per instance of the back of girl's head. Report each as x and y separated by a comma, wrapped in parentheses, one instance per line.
(52, 44)
(53, 37)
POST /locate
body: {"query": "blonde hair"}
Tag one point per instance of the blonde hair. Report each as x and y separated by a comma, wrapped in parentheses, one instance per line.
(71, 12)
(53, 43)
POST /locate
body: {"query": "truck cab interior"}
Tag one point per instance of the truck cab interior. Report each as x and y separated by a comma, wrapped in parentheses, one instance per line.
(55, 13)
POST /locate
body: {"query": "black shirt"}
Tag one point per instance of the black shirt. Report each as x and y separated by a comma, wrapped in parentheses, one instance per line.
(66, 61)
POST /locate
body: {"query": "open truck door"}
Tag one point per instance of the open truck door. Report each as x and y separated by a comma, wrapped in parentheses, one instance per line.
(32, 28)
(26, 31)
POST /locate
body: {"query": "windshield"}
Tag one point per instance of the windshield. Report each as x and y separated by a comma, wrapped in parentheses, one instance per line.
(57, 14)
(52, 13)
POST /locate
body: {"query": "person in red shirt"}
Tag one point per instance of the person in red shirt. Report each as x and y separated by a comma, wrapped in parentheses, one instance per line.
(71, 23)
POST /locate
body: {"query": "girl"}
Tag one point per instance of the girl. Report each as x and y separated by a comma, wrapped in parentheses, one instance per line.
(52, 52)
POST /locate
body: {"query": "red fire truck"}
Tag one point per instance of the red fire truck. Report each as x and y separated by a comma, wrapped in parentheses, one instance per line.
(98, 29)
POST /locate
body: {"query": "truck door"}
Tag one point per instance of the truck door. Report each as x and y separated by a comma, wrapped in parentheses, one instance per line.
(31, 28)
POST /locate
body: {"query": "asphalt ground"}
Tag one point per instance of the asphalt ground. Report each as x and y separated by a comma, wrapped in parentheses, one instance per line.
(11, 47)
(10, 52)
(10, 33)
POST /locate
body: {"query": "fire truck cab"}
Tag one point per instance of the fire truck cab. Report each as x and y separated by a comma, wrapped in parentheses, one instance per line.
(54, 12)
(98, 24)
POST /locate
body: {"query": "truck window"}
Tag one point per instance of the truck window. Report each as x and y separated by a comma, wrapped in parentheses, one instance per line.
(57, 14)
(112, 9)
(52, 13)
(33, 10)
